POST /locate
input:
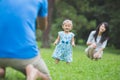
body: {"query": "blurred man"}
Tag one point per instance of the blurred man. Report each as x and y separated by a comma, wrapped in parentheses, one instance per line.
(18, 47)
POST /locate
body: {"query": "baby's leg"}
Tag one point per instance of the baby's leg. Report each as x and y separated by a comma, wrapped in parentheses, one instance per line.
(67, 62)
(57, 61)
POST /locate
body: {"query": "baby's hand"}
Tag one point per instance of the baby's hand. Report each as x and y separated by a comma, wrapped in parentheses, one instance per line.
(73, 44)
(54, 43)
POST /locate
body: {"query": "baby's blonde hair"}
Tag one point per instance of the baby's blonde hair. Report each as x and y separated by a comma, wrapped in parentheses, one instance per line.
(67, 21)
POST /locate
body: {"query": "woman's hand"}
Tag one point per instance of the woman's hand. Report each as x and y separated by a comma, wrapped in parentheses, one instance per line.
(93, 45)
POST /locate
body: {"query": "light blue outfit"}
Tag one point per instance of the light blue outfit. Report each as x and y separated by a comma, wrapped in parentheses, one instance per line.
(63, 50)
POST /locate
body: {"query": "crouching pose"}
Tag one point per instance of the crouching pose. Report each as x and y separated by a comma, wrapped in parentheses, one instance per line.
(97, 41)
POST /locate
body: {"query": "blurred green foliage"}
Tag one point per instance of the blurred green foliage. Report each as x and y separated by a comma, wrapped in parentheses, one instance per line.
(86, 15)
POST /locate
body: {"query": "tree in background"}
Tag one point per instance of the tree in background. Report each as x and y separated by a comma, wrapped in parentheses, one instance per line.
(45, 39)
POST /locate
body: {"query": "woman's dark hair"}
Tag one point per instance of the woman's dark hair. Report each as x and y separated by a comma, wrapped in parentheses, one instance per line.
(104, 35)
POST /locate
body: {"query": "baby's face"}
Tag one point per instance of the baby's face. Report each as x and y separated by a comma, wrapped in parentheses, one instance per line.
(67, 27)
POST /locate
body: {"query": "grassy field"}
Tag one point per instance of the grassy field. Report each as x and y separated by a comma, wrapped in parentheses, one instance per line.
(82, 68)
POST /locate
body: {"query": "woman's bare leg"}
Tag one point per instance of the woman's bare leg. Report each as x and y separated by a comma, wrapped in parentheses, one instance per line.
(97, 55)
(91, 52)
(33, 73)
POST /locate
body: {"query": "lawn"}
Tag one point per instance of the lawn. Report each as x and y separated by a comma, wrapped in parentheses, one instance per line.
(82, 68)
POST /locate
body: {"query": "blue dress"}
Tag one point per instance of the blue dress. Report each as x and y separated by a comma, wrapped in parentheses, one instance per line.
(63, 50)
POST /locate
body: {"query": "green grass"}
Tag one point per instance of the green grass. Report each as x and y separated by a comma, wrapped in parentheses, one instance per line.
(82, 68)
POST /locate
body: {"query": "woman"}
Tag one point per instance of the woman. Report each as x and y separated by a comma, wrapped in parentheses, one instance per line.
(97, 41)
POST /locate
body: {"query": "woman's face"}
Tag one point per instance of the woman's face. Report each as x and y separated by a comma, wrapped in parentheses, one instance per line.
(102, 28)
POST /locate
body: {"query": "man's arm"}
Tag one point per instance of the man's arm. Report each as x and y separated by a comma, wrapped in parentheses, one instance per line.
(42, 23)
